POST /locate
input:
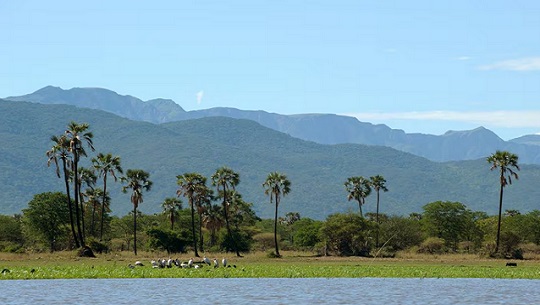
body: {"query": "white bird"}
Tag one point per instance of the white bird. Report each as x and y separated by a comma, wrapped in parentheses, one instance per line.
(207, 261)
(224, 262)
(139, 263)
(216, 264)
(190, 262)
(169, 263)
(197, 266)
(184, 265)
(154, 264)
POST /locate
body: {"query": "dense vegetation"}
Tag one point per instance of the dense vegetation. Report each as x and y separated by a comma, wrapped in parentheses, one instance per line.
(317, 171)
(220, 219)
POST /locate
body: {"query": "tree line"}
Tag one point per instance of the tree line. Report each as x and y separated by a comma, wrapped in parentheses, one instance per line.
(81, 216)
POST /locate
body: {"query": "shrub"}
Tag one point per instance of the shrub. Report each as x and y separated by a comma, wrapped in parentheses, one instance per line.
(432, 245)
(98, 246)
(263, 241)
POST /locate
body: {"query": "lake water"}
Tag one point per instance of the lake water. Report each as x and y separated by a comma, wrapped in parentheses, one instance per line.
(310, 291)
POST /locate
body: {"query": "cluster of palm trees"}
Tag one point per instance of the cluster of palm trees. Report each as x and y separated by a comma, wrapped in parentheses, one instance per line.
(65, 154)
(358, 188)
(69, 147)
(193, 187)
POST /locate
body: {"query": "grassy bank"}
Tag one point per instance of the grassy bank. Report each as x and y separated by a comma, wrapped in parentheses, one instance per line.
(66, 265)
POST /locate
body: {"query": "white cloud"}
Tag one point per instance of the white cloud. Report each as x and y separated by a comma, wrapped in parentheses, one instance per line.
(521, 64)
(508, 119)
(463, 58)
(199, 95)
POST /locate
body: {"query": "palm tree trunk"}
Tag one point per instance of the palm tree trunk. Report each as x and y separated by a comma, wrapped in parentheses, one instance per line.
(360, 207)
(193, 226)
(70, 206)
(500, 218)
(377, 220)
(226, 213)
(81, 200)
(76, 192)
(200, 234)
(103, 205)
(275, 227)
(135, 229)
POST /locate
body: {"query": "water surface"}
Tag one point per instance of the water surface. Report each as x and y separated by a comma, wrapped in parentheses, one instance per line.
(241, 291)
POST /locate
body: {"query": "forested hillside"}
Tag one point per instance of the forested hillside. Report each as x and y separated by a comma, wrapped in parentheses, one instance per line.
(317, 171)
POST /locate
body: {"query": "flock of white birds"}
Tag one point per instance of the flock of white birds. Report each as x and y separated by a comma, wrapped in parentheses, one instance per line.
(169, 263)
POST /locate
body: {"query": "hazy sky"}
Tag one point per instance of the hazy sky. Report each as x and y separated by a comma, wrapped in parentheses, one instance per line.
(421, 66)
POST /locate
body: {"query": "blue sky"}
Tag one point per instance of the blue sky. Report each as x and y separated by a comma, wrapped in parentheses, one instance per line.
(421, 66)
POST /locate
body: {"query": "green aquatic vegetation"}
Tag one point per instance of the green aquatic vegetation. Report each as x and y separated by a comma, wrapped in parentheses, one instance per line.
(277, 268)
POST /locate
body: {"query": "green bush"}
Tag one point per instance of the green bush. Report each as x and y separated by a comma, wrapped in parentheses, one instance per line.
(98, 246)
(432, 245)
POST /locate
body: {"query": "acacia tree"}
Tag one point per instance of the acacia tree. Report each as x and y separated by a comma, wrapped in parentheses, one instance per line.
(106, 164)
(60, 150)
(378, 183)
(226, 180)
(77, 135)
(505, 162)
(171, 206)
(276, 185)
(358, 188)
(137, 180)
(46, 216)
(191, 184)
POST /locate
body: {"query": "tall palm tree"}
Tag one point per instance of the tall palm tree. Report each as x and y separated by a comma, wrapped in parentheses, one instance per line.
(77, 135)
(137, 180)
(171, 206)
(358, 188)
(106, 164)
(276, 185)
(378, 183)
(60, 150)
(226, 180)
(191, 184)
(505, 161)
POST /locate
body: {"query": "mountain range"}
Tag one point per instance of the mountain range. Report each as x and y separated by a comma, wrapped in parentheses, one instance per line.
(319, 128)
(317, 171)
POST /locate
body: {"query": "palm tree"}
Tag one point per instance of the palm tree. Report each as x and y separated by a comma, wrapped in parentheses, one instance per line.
(60, 150)
(358, 188)
(137, 180)
(106, 164)
(190, 185)
(505, 161)
(171, 206)
(378, 183)
(226, 180)
(77, 135)
(276, 185)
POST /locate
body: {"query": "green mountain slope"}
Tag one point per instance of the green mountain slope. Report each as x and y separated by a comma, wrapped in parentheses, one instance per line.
(317, 171)
(320, 128)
